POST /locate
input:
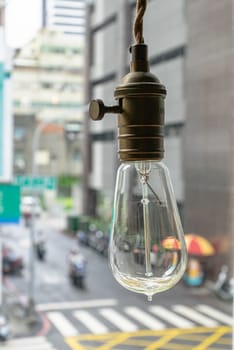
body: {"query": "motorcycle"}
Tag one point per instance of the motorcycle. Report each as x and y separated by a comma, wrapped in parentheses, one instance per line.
(4, 329)
(224, 288)
(40, 246)
(41, 251)
(77, 269)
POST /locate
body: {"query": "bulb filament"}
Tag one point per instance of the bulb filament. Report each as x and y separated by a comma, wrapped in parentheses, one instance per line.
(145, 202)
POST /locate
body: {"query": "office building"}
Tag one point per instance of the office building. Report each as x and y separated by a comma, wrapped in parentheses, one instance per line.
(191, 52)
(48, 89)
(208, 147)
(67, 16)
(165, 33)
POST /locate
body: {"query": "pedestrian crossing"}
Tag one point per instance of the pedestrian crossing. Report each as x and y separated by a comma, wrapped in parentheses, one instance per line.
(92, 323)
(131, 319)
(35, 343)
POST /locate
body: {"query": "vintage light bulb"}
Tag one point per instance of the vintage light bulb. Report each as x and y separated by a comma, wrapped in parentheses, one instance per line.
(147, 247)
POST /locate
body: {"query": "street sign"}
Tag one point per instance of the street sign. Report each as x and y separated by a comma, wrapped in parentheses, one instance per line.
(36, 183)
(9, 204)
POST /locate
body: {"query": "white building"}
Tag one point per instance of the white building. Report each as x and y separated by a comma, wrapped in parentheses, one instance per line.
(48, 86)
(67, 16)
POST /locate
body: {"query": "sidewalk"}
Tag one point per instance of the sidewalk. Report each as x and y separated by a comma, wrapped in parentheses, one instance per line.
(15, 304)
(15, 308)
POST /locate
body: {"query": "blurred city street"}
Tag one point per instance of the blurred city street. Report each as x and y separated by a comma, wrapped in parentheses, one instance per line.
(68, 317)
(116, 175)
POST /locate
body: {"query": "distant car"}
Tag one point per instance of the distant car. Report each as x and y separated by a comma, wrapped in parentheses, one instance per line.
(12, 261)
(30, 205)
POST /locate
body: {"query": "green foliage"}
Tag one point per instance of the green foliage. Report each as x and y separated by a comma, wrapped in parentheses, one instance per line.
(66, 181)
(100, 224)
(66, 202)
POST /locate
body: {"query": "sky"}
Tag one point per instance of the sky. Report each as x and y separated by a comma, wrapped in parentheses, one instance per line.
(23, 19)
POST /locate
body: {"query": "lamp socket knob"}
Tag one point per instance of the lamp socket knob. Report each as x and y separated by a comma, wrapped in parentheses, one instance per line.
(97, 109)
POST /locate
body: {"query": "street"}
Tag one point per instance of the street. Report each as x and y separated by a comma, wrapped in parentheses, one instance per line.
(104, 315)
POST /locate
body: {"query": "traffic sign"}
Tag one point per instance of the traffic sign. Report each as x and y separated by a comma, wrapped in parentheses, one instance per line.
(9, 204)
(36, 183)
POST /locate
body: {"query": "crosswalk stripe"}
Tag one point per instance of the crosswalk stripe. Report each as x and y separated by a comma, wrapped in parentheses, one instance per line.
(144, 318)
(90, 322)
(76, 304)
(27, 347)
(118, 320)
(171, 317)
(218, 315)
(180, 316)
(195, 316)
(36, 343)
(30, 340)
(64, 326)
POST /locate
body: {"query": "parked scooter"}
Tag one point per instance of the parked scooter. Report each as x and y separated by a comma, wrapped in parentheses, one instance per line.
(4, 329)
(77, 268)
(224, 288)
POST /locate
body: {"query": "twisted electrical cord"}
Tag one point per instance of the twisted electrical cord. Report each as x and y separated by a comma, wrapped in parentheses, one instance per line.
(138, 23)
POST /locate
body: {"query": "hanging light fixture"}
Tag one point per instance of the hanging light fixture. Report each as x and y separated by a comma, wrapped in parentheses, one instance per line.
(147, 248)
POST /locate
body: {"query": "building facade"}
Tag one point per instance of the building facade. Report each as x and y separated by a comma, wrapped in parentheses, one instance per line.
(67, 16)
(208, 148)
(48, 88)
(191, 52)
(165, 33)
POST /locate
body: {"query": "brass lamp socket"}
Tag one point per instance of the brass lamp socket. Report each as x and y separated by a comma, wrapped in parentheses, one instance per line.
(140, 109)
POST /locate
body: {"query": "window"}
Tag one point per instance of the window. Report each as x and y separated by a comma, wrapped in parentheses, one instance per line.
(19, 133)
(19, 160)
(76, 156)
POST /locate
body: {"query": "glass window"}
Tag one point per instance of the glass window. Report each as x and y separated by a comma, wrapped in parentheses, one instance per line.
(19, 160)
(19, 133)
(76, 155)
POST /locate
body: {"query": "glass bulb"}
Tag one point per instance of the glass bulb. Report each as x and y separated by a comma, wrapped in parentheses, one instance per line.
(147, 250)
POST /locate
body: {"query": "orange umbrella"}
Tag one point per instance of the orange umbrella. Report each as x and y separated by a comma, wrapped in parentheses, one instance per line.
(198, 245)
(171, 243)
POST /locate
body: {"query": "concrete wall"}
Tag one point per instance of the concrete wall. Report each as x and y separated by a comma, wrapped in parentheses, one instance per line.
(171, 74)
(209, 130)
(165, 25)
(164, 32)
(104, 153)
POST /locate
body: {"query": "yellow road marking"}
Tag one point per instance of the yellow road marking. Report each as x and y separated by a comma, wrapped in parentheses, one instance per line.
(74, 345)
(225, 341)
(138, 342)
(176, 347)
(191, 337)
(211, 339)
(118, 340)
(163, 339)
(73, 341)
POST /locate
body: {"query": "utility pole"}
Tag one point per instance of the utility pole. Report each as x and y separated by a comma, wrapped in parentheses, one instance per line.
(32, 266)
(44, 13)
(31, 285)
(86, 126)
